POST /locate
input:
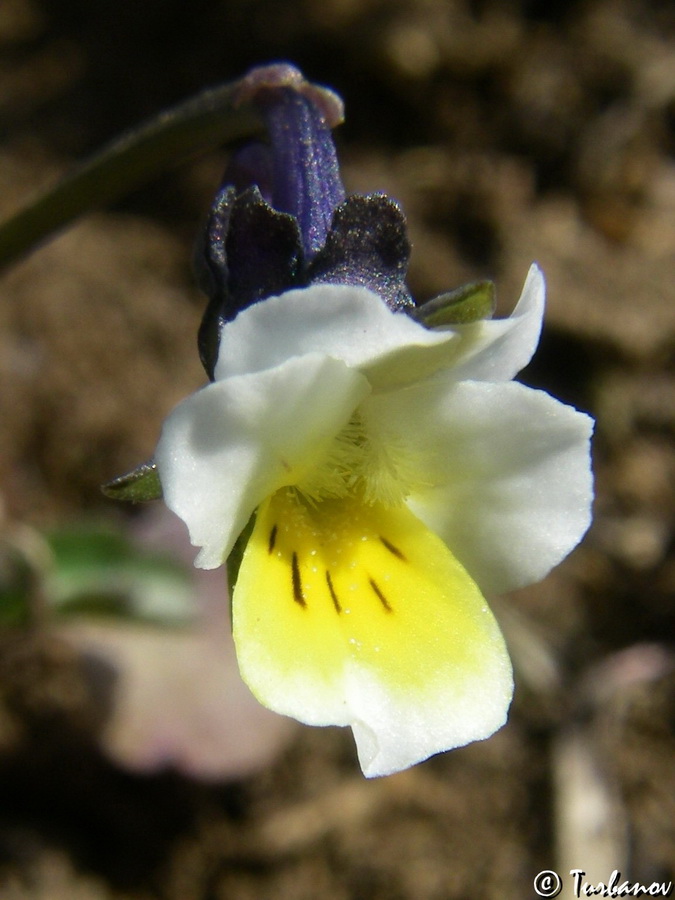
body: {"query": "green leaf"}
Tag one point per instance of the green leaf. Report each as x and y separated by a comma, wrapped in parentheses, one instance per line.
(469, 303)
(142, 483)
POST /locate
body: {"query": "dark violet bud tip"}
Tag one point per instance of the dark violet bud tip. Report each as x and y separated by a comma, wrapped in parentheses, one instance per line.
(263, 250)
(250, 251)
(367, 246)
(306, 177)
(210, 258)
(299, 173)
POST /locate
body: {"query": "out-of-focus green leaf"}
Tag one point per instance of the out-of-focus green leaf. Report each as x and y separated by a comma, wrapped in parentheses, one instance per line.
(16, 582)
(98, 572)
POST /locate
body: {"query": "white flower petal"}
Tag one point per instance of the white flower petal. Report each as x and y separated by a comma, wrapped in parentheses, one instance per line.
(350, 323)
(505, 473)
(230, 445)
(393, 733)
(497, 349)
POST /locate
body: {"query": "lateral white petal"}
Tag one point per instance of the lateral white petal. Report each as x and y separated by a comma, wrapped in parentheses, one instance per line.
(507, 473)
(230, 445)
(350, 323)
(497, 349)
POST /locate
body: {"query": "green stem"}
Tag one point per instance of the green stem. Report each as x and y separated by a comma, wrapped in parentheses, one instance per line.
(128, 162)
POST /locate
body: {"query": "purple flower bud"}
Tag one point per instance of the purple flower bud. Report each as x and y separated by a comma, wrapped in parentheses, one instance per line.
(281, 220)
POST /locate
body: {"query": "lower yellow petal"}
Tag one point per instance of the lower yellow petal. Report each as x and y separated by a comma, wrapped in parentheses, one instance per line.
(349, 613)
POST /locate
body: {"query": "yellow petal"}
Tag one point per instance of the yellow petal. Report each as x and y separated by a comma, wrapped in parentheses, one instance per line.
(348, 613)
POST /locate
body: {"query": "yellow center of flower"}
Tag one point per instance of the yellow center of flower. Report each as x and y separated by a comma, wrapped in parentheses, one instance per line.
(344, 579)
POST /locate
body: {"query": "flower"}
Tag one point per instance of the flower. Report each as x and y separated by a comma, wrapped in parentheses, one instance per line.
(398, 473)
(383, 475)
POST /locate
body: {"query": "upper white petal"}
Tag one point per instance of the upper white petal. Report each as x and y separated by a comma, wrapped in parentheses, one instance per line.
(355, 325)
(230, 445)
(507, 472)
(349, 323)
(497, 349)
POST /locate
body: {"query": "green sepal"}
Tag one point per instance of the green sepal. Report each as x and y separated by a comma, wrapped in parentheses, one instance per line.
(468, 303)
(142, 483)
(237, 554)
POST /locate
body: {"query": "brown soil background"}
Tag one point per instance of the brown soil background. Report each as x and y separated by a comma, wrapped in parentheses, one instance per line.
(510, 132)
